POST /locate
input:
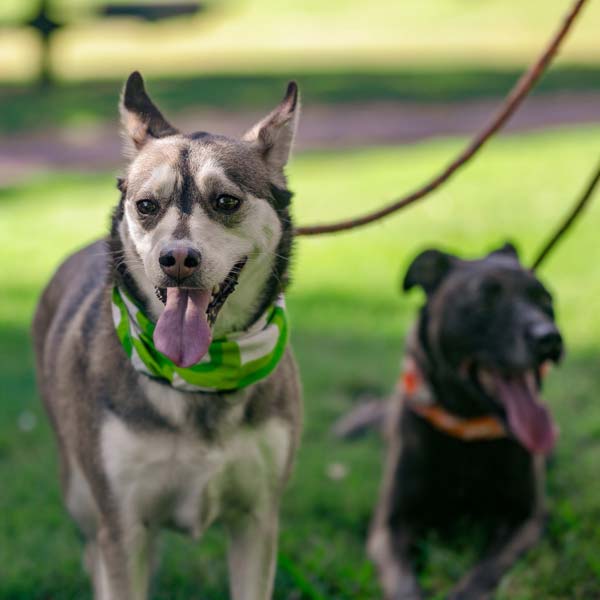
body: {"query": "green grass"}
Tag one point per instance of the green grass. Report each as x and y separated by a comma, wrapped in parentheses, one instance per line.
(348, 323)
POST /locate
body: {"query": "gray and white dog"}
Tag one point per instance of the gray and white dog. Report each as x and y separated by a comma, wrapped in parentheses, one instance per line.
(199, 215)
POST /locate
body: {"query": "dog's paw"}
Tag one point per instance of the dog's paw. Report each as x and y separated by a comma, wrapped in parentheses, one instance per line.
(471, 589)
(408, 589)
(469, 594)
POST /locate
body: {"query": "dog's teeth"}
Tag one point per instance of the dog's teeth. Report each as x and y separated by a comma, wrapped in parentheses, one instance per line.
(215, 289)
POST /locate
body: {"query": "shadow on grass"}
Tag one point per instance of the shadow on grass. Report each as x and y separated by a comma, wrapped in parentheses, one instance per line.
(23, 108)
(325, 519)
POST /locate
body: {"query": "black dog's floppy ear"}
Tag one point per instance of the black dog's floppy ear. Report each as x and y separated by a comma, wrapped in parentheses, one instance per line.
(508, 250)
(428, 270)
(140, 118)
(274, 135)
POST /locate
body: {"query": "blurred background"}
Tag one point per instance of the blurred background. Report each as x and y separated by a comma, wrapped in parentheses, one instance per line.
(391, 91)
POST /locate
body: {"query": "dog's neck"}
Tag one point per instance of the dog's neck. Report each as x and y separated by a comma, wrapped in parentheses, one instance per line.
(456, 394)
(262, 280)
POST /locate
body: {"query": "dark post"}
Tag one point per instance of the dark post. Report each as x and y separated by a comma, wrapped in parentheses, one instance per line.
(148, 12)
(46, 26)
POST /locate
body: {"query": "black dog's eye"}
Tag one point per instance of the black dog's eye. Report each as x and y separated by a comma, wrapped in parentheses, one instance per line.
(227, 204)
(544, 300)
(491, 289)
(147, 207)
(539, 295)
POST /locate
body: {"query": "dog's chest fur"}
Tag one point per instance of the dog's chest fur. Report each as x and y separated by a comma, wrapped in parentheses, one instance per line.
(456, 478)
(182, 478)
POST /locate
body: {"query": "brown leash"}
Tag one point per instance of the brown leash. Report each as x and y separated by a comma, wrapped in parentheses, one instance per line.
(512, 101)
(569, 220)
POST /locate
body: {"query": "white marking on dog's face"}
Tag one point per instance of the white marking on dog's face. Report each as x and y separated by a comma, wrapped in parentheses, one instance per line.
(162, 182)
(147, 242)
(206, 167)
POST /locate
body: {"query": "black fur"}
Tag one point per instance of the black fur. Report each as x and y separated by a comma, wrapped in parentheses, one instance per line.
(477, 314)
(280, 274)
(136, 100)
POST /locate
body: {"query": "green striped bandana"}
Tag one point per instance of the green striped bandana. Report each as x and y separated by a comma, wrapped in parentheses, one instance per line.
(232, 362)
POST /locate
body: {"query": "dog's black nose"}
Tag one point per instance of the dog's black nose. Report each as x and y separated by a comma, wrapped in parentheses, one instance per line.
(546, 341)
(179, 262)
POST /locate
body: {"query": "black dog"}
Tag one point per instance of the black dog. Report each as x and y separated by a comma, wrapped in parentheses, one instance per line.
(468, 433)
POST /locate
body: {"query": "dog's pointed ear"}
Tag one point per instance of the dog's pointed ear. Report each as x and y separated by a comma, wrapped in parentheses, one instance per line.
(508, 250)
(428, 270)
(140, 119)
(274, 135)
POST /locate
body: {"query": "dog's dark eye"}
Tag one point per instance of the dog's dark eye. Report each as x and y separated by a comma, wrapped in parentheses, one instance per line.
(147, 207)
(544, 300)
(491, 289)
(227, 204)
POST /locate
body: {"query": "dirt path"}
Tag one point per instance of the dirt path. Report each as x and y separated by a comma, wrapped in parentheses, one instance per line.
(98, 148)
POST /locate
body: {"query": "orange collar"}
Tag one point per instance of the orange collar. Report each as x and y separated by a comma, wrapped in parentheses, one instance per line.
(419, 399)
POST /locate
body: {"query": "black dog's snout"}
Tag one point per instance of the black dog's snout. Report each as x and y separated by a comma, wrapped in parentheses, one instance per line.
(546, 341)
(179, 262)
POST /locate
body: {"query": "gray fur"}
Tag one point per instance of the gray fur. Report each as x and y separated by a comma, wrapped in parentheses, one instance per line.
(102, 409)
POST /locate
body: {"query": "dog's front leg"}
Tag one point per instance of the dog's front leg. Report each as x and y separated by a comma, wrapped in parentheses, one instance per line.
(120, 563)
(389, 550)
(252, 555)
(480, 583)
(391, 537)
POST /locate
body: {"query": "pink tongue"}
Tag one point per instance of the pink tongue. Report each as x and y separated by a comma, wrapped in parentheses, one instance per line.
(182, 332)
(529, 420)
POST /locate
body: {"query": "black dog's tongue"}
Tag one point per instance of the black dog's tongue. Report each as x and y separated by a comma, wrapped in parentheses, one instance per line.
(529, 420)
(182, 332)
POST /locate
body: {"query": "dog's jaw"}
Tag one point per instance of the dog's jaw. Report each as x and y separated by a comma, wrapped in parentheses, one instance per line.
(220, 293)
(239, 309)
